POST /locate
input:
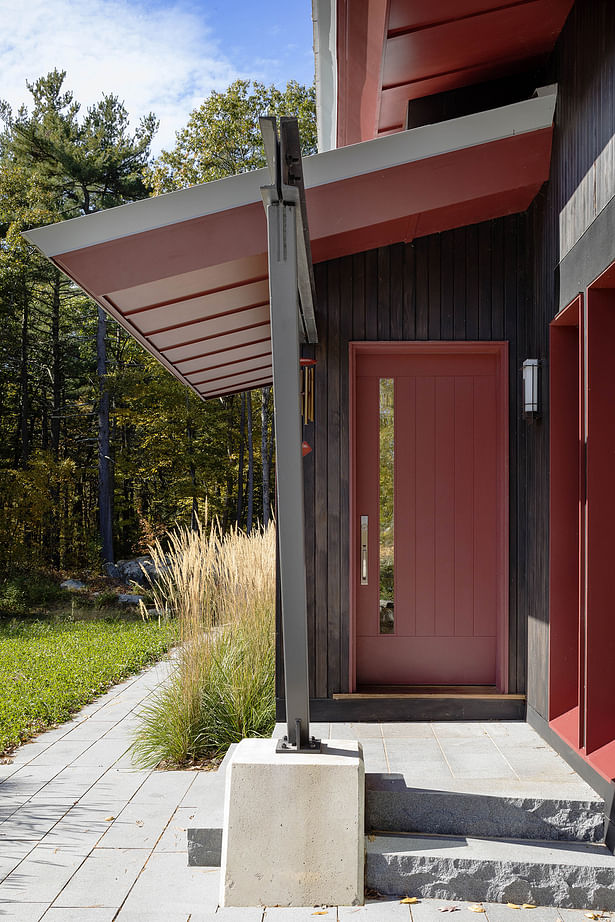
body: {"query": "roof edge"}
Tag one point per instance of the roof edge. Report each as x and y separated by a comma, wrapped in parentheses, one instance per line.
(319, 170)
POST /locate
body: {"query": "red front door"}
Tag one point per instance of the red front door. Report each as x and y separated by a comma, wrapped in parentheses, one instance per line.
(430, 427)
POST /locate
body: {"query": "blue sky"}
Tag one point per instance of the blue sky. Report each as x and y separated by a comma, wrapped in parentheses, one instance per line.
(163, 56)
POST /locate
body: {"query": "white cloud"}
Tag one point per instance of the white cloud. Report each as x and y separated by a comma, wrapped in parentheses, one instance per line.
(162, 59)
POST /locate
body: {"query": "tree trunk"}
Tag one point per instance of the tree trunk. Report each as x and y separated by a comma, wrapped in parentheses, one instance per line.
(228, 403)
(264, 451)
(24, 401)
(270, 447)
(242, 423)
(194, 517)
(250, 466)
(56, 368)
(104, 442)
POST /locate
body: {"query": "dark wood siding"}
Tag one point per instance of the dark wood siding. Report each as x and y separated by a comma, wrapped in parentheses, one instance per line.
(582, 183)
(465, 284)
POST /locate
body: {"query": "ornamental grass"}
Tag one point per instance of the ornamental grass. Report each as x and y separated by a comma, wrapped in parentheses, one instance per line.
(221, 589)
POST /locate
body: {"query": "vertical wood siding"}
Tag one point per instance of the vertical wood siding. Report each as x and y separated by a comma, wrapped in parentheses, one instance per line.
(465, 284)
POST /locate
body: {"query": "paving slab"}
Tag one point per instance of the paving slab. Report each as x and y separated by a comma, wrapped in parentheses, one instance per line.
(12, 853)
(90, 730)
(138, 825)
(500, 912)
(165, 786)
(30, 750)
(71, 783)
(82, 827)
(14, 911)
(167, 884)
(41, 875)
(113, 785)
(477, 757)
(28, 780)
(104, 878)
(231, 914)
(174, 837)
(376, 911)
(303, 914)
(33, 821)
(417, 730)
(62, 753)
(374, 755)
(102, 754)
(78, 915)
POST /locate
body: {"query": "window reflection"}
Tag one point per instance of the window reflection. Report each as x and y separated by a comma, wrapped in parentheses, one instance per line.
(387, 484)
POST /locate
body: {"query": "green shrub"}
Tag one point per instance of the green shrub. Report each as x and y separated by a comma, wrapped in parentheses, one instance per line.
(26, 592)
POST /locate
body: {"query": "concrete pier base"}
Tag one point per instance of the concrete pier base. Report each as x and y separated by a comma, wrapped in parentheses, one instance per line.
(294, 826)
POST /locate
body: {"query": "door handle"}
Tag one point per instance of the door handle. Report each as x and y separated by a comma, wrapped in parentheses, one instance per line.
(364, 548)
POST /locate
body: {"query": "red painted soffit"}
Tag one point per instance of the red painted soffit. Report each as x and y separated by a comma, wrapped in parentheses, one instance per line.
(195, 293)
(388, 54)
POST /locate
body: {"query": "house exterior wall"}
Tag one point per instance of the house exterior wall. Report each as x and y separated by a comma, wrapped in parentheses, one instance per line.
(572, 225)
(504, 279)
(466, 284)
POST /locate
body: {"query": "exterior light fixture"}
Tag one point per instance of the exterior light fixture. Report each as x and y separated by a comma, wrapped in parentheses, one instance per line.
(531, 406)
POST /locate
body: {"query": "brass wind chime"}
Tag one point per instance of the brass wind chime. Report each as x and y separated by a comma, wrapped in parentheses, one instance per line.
(307, 390)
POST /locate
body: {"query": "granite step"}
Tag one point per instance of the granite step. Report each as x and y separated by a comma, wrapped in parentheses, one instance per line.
(570, 875)
(537, 810)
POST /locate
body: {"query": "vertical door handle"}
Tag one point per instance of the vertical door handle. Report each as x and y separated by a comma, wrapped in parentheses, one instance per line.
(364, 547)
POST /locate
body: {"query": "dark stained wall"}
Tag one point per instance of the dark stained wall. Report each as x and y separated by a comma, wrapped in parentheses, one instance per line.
(466, 284)
(576, 198)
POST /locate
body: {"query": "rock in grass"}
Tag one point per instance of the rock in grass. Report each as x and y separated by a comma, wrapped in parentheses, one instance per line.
(126, 598)
(73, 585)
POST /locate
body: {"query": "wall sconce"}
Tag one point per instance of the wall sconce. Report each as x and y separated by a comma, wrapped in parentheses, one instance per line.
(531, 405)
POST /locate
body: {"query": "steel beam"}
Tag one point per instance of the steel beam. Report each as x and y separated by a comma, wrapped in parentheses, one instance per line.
(282, 241)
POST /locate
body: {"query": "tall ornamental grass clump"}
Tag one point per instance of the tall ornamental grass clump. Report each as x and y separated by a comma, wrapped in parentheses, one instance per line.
(221, 589)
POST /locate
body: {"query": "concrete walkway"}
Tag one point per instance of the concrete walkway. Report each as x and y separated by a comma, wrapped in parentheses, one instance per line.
(86, 836)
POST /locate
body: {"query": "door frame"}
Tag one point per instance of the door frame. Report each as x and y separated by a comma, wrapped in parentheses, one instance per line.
(500, 349)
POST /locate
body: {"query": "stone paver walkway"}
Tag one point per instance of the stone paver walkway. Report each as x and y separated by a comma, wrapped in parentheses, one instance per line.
(86, 836)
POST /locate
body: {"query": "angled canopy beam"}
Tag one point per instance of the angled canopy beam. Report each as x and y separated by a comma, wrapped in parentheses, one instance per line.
(283, 154)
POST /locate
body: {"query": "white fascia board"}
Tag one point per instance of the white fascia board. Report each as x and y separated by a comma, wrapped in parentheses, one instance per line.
(429, 141)
(150, 213)
(324, 17)
(319, 169)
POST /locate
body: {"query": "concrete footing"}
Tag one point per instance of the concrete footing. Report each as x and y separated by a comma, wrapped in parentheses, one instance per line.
(293, 826)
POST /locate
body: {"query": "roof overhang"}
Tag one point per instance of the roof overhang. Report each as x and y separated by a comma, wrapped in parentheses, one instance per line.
(380, 54)
(186, 273)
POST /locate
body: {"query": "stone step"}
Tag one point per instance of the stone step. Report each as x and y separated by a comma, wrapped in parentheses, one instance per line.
(537, 810)
(572, 875)
(204, 835)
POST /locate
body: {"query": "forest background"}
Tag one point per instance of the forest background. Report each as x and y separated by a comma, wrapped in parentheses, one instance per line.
(101, 449)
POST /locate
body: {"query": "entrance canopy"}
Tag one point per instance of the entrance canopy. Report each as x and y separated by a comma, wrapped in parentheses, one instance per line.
(186, 273)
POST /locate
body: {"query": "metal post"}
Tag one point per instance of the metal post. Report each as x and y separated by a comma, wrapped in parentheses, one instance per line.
(281, 229)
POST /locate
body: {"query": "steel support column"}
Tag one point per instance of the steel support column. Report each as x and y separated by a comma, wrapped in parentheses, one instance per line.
(282, 240)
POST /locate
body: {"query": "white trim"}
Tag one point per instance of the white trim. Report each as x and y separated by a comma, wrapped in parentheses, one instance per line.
(324, 17)
(320, 169)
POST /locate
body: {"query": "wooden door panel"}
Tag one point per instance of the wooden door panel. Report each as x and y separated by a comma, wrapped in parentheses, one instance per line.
(449, 517)
(426, 661)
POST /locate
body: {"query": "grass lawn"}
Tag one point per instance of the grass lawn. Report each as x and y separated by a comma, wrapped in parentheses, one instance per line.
(50, 668)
